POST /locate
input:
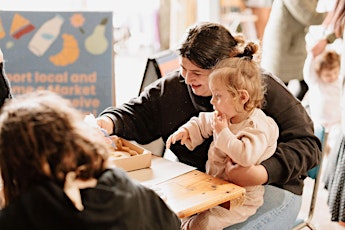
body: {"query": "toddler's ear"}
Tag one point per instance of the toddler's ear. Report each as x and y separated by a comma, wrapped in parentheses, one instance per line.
(243, 95)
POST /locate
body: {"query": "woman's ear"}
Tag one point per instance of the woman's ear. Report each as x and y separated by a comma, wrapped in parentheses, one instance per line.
(46, 168)
(243, 96)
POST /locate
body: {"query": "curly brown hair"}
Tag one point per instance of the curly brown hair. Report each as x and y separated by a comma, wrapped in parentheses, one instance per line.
(328, 60)
(42, 137)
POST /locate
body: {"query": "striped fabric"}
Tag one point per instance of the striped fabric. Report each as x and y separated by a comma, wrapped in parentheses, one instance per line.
(334, 182)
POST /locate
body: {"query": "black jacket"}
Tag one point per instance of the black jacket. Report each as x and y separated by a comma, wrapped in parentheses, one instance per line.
(115, 203)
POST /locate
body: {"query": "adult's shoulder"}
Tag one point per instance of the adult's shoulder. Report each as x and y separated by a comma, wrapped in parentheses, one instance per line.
(278, 98)
(270, 78)
(172, 78)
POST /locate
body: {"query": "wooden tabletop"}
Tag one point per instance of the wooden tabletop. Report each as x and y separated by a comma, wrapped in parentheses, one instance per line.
(196, 191)
(193, 191)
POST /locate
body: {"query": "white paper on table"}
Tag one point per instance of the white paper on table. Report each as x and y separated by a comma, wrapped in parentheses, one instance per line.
(161, 170)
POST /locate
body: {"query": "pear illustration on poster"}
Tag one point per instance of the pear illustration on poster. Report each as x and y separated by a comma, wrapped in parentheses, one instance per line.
(97, 43)
(46, 35)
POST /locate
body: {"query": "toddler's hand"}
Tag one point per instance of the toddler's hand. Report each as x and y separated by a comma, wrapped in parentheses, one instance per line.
(181, 134)
(219, 122)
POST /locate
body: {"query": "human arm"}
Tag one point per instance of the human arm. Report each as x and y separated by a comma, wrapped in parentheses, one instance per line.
(136, 120)
(320, 46)
(193, 132)
(247, 176)
(254, 143)
(153, 114)
(309, 73)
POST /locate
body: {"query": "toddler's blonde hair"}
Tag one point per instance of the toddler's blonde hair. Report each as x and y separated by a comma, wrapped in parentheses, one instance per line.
(242, 73)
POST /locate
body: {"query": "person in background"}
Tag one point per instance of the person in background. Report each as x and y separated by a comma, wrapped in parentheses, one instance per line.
(5, 86)
(171, 101)
(242, 134)
(334, 176)
(55, 173)
(283, 43)
(5, 94)
(321, 73)
(262, 9)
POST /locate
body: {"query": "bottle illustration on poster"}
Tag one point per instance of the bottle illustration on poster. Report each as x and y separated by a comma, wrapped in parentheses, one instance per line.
(46, 35)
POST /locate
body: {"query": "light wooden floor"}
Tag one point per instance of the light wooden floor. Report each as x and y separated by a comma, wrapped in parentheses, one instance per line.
(321, 219)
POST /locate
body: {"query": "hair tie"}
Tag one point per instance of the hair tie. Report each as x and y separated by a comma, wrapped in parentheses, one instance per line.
(249, 57)
(245, 55)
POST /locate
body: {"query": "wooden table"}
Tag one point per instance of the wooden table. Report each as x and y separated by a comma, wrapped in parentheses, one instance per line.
(190, 192)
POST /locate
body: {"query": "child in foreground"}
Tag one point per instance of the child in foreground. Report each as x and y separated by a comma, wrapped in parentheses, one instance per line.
(242, 134)
(55, 175)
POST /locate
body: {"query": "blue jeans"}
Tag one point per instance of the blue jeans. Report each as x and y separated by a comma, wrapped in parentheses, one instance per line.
(279, 211)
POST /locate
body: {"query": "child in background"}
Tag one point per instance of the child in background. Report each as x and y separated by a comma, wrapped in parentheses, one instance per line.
(55, 174)
(242, 133)
(321, 73)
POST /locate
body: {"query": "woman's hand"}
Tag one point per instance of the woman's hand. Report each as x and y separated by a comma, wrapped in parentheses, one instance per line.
(246, 176)
(105, 123)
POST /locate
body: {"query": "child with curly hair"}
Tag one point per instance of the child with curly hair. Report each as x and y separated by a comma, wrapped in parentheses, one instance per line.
(55, 173)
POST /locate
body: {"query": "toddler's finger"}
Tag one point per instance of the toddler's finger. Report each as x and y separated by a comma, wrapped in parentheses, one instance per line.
(168, 143)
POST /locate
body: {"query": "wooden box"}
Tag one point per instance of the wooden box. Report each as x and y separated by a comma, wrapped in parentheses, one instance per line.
(130, 163)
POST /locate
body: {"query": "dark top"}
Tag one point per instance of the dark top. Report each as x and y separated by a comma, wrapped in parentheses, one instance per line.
(168, 103)
(115, 203)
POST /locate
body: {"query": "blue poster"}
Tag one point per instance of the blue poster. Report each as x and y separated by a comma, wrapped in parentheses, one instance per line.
(70, 53)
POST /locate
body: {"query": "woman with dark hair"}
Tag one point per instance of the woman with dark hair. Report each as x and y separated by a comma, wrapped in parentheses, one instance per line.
(171, 101)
